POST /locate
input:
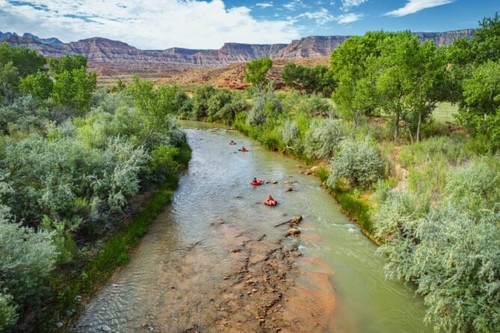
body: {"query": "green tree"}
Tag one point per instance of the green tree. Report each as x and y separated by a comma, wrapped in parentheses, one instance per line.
(355, 93)
(318, 79)
(39, 85)
(486, 41)
(257, 70)
(9, 79)
(409, 80)
(25, 60)
(480, 108)
(67, 63)
(73, 89)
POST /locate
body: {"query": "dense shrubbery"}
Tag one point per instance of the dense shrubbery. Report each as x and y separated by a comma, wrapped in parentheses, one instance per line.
(357, 162)
(71, 160)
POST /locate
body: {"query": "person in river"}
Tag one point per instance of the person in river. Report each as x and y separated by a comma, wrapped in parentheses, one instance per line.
(243, 149)
(254, 180)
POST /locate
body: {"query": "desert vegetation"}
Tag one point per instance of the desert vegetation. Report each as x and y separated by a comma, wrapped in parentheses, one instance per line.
(72, 159)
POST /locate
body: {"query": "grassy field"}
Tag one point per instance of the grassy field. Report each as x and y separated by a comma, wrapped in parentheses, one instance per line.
(444, 113)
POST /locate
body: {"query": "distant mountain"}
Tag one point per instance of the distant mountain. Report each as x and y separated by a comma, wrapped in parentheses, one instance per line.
(27, 37)
(114, 57)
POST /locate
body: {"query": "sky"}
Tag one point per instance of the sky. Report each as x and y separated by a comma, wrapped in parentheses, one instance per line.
(208, 24)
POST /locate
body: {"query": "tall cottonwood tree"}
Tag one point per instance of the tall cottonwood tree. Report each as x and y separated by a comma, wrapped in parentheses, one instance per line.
(355, 93)
(409, 78)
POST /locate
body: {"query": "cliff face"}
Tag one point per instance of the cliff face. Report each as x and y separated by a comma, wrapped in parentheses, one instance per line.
(109, 56)
(308, 47)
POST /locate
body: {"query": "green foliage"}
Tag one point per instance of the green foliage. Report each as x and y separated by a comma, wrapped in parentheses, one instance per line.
(486, 42)
(39, 85)
(409, 77)
(357, 162)
(265, 104)
(224, 105)
(290, 135)
(25, 115)
(25, 60)
(8, 312)
(355, 94)
(163, 162)
(200, 101)
(73, 89)
(257, 70)
(67, 63)
(9, 78)
(156, 111)
(322, 138)
(318, 79)
(27, 259)
(49, 176)
(480, 108)
(474, 186)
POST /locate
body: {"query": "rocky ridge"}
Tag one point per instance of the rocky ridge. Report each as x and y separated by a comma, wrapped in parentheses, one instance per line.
(109, 57)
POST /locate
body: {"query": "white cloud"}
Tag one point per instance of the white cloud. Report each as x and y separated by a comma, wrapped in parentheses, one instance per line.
(294, 5)
(153, 24)
(264, 4)
(348, 18)
(413, 6)
(348, 4)
(321, 16)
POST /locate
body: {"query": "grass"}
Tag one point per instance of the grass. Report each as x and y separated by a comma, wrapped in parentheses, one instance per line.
(444, 113)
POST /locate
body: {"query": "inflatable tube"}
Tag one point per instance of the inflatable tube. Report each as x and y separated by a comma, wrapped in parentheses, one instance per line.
(271, 202)
(257, 183)
(243, 150)
(232, 143)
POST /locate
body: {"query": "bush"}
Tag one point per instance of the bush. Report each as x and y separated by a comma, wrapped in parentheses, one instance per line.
(474, 186)
(27, 259)
(322, 138)
(357, 162)
(265, 104)
(8, 312)
(289, 134)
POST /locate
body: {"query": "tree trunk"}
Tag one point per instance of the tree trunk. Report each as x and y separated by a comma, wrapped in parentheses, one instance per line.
(418, 125)
(396, 127)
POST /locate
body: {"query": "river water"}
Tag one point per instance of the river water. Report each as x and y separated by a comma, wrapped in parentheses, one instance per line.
(214, 262)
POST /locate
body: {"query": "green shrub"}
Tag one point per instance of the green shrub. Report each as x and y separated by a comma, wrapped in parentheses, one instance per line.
(265, 104)
(8, 312)
(357, 162)
(322, 138)
(289, 134)
(475, 185)
(27, 259)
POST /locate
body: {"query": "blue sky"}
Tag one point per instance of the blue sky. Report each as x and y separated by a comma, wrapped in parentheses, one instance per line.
(161, 24)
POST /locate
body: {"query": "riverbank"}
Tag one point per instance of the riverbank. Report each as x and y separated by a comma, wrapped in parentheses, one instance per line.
(73, 286)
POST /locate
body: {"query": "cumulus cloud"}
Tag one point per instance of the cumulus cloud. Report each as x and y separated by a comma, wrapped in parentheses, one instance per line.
(348, 4)
(321, 16)
(414, 6)
(153, 24)
(348, 18)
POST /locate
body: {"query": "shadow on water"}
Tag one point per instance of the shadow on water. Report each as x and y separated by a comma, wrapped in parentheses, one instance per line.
(214, 262)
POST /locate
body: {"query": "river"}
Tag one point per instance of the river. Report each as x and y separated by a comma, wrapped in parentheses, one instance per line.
(214, 261)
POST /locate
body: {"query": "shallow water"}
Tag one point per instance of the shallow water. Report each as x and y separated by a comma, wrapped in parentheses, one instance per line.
(175, 277)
